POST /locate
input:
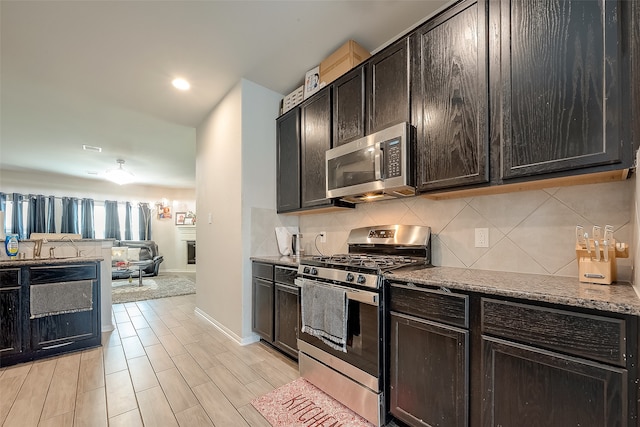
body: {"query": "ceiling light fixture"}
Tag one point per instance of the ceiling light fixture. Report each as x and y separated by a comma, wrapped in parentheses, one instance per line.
(181, 84)
(119, 175)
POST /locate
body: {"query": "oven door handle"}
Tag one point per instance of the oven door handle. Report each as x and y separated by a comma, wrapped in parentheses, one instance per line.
(370, 298)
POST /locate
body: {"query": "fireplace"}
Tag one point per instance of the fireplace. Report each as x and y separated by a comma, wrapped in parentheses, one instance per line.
(191, 251)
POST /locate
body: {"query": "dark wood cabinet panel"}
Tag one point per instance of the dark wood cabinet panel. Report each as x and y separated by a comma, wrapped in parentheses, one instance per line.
(429, 372)
(288, 161)
(388, 87)
(541, 388)
(57, 331)
(67, 273)
(560, 85)
(11, 325)
(349, 107)
(316, 134)
(451, 98)
(431, 304)
(585, 335)
(286, 319)
(262, 308)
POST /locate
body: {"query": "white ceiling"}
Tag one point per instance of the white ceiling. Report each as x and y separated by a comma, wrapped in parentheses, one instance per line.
(99, 72)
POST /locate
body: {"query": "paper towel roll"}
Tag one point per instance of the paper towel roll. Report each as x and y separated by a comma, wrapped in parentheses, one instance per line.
(283, 236)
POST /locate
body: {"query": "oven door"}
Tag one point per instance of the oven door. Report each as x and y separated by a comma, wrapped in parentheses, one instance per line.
(363, 332)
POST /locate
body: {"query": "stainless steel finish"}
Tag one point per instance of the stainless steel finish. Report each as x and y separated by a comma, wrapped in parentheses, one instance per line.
(399, 186)
(37, 248)
(339, 365)
(296, 244)
(371, 280)
(403, 235)
(593, 276)
(363, 401)
(370, 298)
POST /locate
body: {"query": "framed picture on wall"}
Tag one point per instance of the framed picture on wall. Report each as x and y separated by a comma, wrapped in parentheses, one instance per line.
(164, 212)
(180, 217)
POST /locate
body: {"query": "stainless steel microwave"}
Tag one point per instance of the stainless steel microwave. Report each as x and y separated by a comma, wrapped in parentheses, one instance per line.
(375, 167)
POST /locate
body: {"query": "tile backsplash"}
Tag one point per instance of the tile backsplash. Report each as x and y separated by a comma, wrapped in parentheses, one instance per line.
(529, 232)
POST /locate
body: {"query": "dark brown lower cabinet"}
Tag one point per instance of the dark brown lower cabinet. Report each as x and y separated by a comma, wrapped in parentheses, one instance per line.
(262, 310)
(11, 324)
(59, 327)
(429, 372)
(286, 319)
(525, 385)
(275, 311)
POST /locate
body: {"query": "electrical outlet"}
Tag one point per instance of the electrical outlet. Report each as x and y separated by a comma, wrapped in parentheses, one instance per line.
(482, 237)
(323, 237)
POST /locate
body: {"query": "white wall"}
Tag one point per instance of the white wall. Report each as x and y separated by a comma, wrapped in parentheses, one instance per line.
(164, 232)
(235, 172)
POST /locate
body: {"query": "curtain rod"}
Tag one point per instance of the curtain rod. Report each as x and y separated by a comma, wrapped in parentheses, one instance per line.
(10, 198)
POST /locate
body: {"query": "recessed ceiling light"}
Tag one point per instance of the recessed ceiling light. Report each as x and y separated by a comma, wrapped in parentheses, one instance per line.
(181, 84)
(91, 148)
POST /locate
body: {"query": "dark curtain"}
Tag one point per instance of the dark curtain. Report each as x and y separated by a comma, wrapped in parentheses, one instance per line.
(112, 223)
(88, 229)
(128, 222)
(144, 221)
(69, 215)
(51, 215)
(17, 226)
(36, 211)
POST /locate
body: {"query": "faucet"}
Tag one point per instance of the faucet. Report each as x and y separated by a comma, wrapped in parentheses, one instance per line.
(52, 253)
(70, 240)
(37, 248)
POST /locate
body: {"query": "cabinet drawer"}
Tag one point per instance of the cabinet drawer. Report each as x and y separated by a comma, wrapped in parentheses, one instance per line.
(63, 273)
(10, 278)
(260, 269)
(584, 335)
(431, 304)
(285, 275)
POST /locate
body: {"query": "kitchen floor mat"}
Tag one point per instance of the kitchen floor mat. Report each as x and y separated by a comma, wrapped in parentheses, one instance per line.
(300, 404)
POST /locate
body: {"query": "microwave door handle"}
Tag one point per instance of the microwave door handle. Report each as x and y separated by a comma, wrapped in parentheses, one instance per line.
(378, 162)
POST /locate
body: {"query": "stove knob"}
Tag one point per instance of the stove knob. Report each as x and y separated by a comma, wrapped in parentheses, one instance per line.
(306, 270)
(314, 271)
(350, 277)
(361, 279)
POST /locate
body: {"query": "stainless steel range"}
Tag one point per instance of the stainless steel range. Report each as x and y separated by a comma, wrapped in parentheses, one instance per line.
(344, 324)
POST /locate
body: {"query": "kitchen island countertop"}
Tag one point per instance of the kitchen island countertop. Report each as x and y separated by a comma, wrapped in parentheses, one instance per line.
(618, 297)
(46, 261)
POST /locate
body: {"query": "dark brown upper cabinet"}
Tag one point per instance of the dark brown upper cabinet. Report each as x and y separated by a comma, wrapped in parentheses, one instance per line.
(288, 161)
(388, 91)
(559, 87)
(349, 106)
(316, 131)
(450, 98)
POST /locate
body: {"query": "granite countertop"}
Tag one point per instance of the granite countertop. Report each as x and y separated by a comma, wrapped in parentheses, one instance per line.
(617, 297)
(279, 259)
(46, 261)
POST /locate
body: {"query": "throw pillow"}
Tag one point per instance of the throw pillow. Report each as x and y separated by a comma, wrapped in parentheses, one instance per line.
(134, 254)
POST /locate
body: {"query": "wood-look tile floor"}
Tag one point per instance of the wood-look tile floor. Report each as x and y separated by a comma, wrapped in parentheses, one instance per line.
(162, 366)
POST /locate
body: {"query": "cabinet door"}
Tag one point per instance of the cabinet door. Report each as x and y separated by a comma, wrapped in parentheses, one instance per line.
(349, 107)
(288, 162)
(11, 331)
(262, 310)
(560, 87)
(451, 98)
(388, 87)
(316, 140)
(523, 384)
(429, 372)
(286, 319)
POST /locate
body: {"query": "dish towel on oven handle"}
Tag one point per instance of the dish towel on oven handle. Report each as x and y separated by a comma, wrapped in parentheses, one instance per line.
(324, 313)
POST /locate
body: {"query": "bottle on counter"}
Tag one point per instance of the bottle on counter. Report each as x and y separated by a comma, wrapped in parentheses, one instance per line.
(11, 245)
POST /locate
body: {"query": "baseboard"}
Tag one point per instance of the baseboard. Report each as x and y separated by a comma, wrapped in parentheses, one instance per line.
(107, 328)
(242, 341)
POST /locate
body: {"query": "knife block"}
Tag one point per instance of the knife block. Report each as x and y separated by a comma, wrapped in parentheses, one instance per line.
(590, 270)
